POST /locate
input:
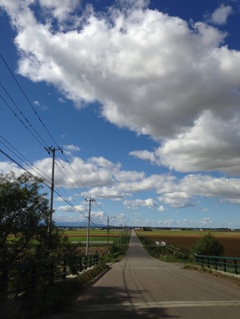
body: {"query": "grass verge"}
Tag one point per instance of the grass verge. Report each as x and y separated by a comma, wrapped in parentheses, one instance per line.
(165, 253)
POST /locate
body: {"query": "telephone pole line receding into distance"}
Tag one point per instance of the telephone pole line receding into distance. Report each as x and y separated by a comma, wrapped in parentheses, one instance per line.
(53, 151)
(90, 200)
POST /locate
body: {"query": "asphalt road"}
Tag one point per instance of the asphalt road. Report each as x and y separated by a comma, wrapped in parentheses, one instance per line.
(142, 287)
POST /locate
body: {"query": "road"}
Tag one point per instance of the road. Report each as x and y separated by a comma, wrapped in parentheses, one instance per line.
(142, 287)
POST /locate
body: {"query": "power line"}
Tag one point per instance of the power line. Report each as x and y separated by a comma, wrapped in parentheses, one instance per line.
(20, 156)
(20, 120)
(37, 136)
(57, 192)
(35, 169)
(43, 143)
(27, 99)
(84, 188)
(25, 118)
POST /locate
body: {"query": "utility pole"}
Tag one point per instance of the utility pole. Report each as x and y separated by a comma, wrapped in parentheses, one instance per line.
(108, 226)
(53, 151)
(90, 200)
(108, 232)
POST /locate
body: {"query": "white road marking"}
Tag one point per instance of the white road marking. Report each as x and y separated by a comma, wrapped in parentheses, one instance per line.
(163, 304)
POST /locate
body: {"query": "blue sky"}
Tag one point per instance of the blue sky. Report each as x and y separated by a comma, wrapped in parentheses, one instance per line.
(143, 98)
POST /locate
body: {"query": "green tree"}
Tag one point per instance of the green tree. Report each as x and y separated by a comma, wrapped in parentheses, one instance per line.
(209, 245)
(24, 215)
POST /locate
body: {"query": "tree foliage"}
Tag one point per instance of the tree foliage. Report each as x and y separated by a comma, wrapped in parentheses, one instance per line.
(209, 246)
(24, 215)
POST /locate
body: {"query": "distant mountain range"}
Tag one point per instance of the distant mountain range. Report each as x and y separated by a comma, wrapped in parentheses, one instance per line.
(77, 224)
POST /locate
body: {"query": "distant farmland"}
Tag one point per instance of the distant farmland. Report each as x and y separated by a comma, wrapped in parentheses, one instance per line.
(187, 239)
(98, 239)
(95, 234)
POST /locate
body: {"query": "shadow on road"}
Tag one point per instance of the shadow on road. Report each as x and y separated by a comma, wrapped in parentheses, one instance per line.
(114, 303)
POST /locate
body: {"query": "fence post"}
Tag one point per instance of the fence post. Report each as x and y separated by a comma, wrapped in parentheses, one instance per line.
(208, 262)
(51, 273)
(96, 258)
(224, 265)
(4, 284)
(84, 262)
(215, 263)
(80, 264)
(92, 261)
(235, 266)
(64, 269)
(33, 277)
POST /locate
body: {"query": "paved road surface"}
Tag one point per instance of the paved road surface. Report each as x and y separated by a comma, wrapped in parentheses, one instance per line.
(142, 287)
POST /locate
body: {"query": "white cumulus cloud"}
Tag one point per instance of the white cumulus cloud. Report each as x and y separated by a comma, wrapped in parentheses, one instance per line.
(152, 73)
(221, 14)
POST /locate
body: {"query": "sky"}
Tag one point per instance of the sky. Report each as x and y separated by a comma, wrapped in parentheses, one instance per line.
(140, 101)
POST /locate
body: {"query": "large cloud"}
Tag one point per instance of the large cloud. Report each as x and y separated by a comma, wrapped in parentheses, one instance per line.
(93, 172)
(212, 144)
(102, 179)
(152, 73)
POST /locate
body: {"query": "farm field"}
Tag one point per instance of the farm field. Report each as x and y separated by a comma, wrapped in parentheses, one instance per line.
(95, 234)
(187, 239)
(98, 239)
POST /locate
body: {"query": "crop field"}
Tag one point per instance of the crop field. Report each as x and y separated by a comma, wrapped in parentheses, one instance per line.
(97, 237)
(187, 239)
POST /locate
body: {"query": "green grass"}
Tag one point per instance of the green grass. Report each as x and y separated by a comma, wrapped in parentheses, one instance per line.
(94, 239)
(93, 232)
(96, 235)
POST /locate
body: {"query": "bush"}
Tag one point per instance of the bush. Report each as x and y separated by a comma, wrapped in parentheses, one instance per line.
(209, 246)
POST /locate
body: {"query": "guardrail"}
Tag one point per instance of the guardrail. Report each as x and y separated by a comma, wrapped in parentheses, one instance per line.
(20, 278)
(226, 264)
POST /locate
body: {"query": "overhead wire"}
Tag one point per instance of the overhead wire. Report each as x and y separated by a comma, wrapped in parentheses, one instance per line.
(27, 99)
(84, 188)
(39, 138)
(20, 119)
(57, 192)
(23, 158)
(39, 173)
(96, 204)
(73, 185)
